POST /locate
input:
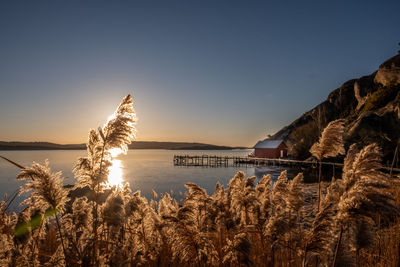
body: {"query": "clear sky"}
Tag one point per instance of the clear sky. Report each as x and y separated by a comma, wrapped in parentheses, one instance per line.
(222, 72)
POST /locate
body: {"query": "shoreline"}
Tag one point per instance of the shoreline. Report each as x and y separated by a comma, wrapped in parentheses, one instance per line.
(30, 146)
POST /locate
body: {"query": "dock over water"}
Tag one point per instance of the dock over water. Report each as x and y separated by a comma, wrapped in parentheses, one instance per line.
(233, 161)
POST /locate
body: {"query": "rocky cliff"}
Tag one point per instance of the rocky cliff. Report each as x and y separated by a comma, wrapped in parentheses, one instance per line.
(370, 105)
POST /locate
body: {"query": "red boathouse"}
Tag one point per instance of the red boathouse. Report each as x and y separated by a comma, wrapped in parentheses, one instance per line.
(270, 149)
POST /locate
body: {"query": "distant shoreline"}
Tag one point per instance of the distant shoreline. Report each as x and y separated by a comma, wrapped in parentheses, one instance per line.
(9, 146)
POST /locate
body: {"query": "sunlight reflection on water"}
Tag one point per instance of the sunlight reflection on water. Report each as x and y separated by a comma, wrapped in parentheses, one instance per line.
(115, 176)
(116, 173)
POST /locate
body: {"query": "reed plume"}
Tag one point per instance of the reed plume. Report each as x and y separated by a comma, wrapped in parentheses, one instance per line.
(93, 170)
(7, 224)
(280, 191)
(344, 223)
(242, 197)
(295, 196)
(365, 195)
(119, 130)
(145, 234)
(294, 210)
(77, 225)
(263, 195)
(117, 133)
(167, 206)
(245, 224)
(6, 248)
(47, 188)
(277, 228)
(365, 187)
(237, 251)
(80, 217)
(113, 211)
(8, 244)
(277, 225)
(330, 144)
(189, 236)
(47, 191)
(221, 207)
(319, 240)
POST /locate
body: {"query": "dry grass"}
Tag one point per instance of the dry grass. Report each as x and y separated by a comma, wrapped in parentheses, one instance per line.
(245, 224)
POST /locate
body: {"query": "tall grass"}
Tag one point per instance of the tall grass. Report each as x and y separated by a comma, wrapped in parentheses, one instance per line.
(330, 144)
(245, 224)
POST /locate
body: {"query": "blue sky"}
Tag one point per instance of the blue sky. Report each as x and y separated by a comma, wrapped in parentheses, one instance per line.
(222, 72)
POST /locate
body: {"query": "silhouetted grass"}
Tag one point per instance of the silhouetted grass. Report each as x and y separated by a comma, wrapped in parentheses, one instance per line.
(245, 224)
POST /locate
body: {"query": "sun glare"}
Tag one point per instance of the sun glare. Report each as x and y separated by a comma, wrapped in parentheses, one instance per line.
(115, 175)
(115, 152)
(111, 117)
(115, 170)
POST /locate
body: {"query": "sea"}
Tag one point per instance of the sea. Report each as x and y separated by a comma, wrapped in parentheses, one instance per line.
(144, 170)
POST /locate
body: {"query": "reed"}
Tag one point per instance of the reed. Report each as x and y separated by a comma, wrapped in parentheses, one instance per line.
(330, 144)
(245, 224)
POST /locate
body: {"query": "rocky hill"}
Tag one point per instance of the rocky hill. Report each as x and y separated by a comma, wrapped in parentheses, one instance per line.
(370, 105)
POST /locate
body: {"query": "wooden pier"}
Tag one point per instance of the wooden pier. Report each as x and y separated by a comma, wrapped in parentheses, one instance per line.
(232, 161)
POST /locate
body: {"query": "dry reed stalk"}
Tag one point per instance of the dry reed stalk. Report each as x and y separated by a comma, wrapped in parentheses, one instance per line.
(247, 224)
(330, 144)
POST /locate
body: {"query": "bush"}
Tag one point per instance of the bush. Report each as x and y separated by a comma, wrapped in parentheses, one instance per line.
(301, 140)
(381, 97)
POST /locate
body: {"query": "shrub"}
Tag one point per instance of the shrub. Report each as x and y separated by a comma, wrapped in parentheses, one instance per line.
(381, 97)
(301, 140)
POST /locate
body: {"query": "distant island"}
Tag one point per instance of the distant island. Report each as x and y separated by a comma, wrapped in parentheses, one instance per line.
(135, 145)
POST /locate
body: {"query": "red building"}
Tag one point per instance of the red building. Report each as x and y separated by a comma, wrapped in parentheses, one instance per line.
(270, 149)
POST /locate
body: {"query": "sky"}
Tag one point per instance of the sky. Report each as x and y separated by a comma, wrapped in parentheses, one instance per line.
(219, 72)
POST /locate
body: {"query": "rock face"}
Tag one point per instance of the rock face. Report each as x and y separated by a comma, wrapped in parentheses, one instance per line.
(370, 105)
(363, 88)
(389, 72)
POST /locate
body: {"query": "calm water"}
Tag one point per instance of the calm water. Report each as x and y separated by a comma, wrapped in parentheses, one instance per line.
(143, 169)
